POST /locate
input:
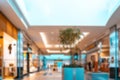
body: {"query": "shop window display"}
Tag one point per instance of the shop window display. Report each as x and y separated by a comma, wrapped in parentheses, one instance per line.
(33, 62)
(9, 56)
(104, 66)
(25, 64)
(11, 70)
(92, 62)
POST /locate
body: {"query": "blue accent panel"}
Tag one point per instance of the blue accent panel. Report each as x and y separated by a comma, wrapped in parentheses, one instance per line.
(20, 55)
(0, 78)
(44, 63)
(79, 73)
(68, 75)
(73, 74)
(114, 48)
(56, 57)
(59, 64)
(100, 76)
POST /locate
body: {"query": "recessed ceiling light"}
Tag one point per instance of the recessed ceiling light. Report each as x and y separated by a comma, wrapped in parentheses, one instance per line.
(58, 51)
(44, 39)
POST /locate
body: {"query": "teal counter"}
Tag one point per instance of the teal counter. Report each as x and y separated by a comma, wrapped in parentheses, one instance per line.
(0, 78)
(73, 73)
(99, 76)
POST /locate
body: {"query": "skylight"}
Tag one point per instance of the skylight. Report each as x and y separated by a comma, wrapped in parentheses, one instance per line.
(67, 12)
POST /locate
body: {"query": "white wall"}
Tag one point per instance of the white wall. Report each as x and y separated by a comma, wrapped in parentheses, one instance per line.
(9, 58)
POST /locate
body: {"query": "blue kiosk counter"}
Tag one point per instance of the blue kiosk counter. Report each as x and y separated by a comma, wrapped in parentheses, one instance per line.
(73, 73)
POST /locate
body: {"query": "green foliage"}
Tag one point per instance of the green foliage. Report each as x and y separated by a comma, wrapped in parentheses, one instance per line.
(69, 36)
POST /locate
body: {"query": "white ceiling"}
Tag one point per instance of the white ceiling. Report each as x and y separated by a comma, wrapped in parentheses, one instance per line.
(51, 32)
(53, 38)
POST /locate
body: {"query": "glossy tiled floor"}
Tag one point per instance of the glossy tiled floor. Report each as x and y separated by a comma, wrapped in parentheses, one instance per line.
(44, 75)
(48, 75)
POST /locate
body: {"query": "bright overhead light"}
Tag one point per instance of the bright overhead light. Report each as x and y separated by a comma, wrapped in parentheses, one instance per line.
(44, 39)
(58, 51)
(82, 37)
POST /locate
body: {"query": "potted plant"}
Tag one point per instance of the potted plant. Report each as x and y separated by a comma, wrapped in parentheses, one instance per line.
(68, 38)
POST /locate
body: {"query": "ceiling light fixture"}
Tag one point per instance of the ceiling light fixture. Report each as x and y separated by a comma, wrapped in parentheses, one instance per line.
(58, 51)
(44, 39)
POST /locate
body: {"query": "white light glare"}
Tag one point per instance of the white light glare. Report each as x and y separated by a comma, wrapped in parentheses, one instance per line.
(44, 39)
(58, 51)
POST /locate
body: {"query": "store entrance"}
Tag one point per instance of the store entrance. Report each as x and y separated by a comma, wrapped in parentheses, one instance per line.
(57, 65)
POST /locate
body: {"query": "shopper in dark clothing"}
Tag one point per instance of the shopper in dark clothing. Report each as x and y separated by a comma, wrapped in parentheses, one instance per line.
(89, 66)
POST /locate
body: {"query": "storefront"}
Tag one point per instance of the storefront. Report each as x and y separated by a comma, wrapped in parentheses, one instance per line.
(104, 59)
(33, 62)
(54, 62)
(31, 59)
(8, 56)
(8, 48)
(92, 62)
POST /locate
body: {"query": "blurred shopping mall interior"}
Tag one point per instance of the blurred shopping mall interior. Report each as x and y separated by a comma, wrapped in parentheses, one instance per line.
(30, 48)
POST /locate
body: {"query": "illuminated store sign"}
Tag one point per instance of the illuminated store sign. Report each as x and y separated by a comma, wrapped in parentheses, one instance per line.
(20, 56)
(114, 49)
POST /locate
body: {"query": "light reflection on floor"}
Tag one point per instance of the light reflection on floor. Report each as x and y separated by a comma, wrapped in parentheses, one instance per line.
(48, 75)
(44, 75)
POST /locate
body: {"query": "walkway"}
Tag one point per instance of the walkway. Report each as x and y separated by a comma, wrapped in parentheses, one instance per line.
(49, 75)
(44, 76)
